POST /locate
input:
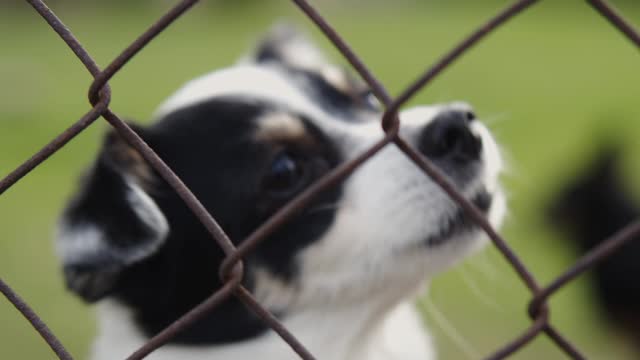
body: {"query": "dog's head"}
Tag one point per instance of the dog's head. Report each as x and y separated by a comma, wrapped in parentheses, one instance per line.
(246, 140)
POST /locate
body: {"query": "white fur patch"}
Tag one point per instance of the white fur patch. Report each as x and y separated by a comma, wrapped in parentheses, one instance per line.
(79, 242)
(75, 244)
(147, 211)
(245, 81)
(359, 332)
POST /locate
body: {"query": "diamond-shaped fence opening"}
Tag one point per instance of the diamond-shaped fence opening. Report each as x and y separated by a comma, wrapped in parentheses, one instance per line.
(231, 270)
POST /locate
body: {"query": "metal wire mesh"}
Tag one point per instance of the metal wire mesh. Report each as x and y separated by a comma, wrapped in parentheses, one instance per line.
(231, 270)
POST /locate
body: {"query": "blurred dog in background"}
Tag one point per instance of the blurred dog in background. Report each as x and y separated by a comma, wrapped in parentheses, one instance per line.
(591, 208)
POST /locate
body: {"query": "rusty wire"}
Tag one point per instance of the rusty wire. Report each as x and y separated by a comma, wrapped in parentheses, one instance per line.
(231, 269)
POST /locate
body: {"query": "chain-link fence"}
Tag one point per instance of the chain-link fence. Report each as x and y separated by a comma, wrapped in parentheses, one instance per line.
(231, 270)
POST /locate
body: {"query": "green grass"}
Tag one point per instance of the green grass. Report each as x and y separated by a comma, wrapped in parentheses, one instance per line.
(552, 83)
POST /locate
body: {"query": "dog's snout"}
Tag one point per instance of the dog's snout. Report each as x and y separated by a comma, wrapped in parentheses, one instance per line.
(449, 137)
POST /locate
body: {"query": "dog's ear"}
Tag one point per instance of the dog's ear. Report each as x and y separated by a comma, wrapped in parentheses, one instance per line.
(286, 45)
(111, 223)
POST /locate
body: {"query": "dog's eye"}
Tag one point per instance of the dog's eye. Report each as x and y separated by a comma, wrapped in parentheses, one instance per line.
(285, 174)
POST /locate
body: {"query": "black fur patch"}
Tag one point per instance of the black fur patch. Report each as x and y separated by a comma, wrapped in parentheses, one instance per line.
(212, 147)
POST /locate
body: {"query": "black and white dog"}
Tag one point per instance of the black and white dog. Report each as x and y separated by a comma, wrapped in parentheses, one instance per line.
(341, 275)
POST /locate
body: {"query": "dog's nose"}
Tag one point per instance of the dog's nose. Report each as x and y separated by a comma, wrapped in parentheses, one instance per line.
(449, 137)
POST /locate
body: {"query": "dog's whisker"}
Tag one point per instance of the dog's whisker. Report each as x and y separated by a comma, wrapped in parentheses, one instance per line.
(482, 296)
(449, 330)
(483, 264)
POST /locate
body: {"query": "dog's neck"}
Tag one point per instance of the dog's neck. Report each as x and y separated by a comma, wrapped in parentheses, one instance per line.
(355, 332)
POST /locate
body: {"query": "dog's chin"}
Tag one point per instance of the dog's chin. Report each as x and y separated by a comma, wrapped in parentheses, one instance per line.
(460, 225)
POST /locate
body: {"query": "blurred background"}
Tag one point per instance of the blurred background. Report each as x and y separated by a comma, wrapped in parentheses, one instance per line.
(552, 84)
